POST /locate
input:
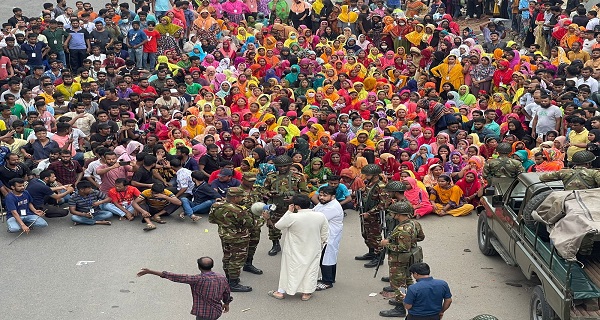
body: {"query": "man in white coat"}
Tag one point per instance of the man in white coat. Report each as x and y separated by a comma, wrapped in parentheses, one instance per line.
(305, 232)
(334, 213)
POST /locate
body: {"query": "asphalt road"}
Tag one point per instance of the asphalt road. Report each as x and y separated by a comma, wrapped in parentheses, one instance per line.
(41, 278)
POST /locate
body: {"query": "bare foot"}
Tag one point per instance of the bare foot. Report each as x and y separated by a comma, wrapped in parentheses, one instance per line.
(103, 222)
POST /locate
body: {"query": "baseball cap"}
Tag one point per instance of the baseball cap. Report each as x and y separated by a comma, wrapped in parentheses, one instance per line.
(225, 172)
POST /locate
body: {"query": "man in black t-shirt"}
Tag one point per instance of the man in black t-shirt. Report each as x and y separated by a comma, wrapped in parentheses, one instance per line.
(44, 197)
(142, 178)
(12, 168)
(210, 161)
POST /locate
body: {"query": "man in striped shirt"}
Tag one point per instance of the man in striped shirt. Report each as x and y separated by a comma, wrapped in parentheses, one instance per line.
(210, 291)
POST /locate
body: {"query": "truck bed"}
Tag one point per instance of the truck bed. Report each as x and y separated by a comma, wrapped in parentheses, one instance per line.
(592, 270)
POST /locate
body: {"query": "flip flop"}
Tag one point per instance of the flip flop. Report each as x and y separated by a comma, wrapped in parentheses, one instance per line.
(182, 215)
(306, 296)
(149, 227)
(272, 294)
(195, 217)
(158, 220)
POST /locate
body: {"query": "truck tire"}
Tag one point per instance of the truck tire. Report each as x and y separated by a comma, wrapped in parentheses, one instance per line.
(483, 236)
(539, 309)
(530, 206)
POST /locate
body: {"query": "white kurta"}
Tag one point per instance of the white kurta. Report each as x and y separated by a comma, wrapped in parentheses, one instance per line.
(303, 235)
(335, 217)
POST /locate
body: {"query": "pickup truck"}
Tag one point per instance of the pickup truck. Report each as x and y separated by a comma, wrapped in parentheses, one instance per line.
(565, 289)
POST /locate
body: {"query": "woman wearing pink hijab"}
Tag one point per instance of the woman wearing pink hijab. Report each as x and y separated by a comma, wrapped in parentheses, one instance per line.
(198, 150)
(417, 197)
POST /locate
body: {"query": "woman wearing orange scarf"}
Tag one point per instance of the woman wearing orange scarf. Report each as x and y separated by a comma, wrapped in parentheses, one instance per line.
(330, 93)
(570, 37)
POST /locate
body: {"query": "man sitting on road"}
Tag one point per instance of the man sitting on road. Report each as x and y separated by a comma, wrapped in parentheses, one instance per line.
(19, 205)
(156, 202)
(45, 197)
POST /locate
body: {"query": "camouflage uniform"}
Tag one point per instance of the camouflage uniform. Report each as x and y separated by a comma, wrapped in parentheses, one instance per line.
(502, 167)
(402, 240)
(374, 200)
(285, 186)
(578, 178)
(251, 197)
(234, 223)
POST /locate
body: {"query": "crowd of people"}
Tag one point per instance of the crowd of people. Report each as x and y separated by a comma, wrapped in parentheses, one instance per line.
(139, 110)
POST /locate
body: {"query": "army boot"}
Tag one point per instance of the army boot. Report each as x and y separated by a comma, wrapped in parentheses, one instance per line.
(367, 256)
(388, 289)
(250, 268)
(385, 279)
(235, 286)
(276, 248)
(398, 311)
(374, 262)
(395, 302)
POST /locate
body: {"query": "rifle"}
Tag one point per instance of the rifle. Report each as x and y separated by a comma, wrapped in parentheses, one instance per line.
(384, 251)
(361, 210)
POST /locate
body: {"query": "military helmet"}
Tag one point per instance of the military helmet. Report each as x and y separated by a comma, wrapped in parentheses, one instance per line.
(282, 160)
(371, 169)
(484, 317)
(395, 186)
(583, 157)
(401, 207)
(504, 148)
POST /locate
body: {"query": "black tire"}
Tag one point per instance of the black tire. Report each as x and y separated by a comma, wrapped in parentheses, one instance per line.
(539, 309)
(483, 236)
(532, 224)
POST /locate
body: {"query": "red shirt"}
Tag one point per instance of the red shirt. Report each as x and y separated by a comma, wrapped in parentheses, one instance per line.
(124, 198)
(148, 91)
(4, 64)
(151, 45)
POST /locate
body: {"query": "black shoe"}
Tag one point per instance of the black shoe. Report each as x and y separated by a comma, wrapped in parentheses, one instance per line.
(388, 289)
(252, 269)
(385, 279)
(367, 256)
(395, 302)
(374, 262)
(398, 311)
(235, 286)
(276, 248)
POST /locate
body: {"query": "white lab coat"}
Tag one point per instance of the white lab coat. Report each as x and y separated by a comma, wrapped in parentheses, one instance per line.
(335, 217)
(304, 234)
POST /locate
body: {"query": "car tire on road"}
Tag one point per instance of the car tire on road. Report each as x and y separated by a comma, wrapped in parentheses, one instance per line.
(531, 223)
(483, 236)
(539, 309)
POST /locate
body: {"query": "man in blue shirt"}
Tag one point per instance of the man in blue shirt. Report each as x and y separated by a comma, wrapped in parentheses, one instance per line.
(77, 44)
(135, 41)
(19, 204)
(427, 299)
(342, 194)
(35, 51)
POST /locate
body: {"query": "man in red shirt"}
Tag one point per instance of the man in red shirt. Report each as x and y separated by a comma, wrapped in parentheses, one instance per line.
(150, 47)
(122, 196)
(113, 61)
(144, 89)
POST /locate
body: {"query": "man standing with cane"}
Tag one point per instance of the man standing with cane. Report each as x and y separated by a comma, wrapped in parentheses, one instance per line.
(19, 204)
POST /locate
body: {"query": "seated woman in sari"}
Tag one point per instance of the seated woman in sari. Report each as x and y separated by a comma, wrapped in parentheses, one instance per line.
(316, 173)
(175, 134)
(447, 199)
(471, 187)
(417, 197)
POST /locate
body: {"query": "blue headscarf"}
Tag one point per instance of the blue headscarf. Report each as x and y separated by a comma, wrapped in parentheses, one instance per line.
(201, 54)
(292, 77)
(271, 75)
(418, 160)
(263, 170)
(250, 39)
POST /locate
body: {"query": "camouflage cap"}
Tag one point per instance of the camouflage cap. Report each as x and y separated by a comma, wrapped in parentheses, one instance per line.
(249, 176)
(235, 192)
(401, 207)
(371, 169)
(395, 186)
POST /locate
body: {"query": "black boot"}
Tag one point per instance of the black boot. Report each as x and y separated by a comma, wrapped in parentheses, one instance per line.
(373, 263)
(250, 268)
(385, 279)
(388, 289)
(367, 256)
(235, 286)
(398, 311)
(395, 302)
(276, 248)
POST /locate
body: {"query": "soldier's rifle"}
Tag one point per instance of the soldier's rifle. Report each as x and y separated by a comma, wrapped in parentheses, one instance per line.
(384, 251)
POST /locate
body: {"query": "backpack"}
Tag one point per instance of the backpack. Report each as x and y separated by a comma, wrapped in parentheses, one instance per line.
(3, 152)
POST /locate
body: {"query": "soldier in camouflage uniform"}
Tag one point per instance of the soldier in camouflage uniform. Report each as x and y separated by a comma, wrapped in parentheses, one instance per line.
(402, 253)
(503, 166)
(580, 177)
(374, 200)
(395, 190)
(234, 223)
(279, 187)
(252, 195)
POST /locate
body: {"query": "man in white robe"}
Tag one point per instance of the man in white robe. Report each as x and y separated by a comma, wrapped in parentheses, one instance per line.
(305, 232)
(334, 213)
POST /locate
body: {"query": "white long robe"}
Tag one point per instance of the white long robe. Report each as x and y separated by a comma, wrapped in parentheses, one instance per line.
(335, 217)
(303, 235)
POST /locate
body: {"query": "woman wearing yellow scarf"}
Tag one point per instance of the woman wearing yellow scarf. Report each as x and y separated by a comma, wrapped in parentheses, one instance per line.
(416, 36)
(449, 71)
(360, 89)
(292, 128)
(313, 132)
(374, 54)
(558, 56)
(293, 37)
(498, 102)
(570, 37)
(285, 132)
(266, 119)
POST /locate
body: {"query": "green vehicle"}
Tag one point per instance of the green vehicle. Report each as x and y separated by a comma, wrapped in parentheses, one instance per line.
(566, 289)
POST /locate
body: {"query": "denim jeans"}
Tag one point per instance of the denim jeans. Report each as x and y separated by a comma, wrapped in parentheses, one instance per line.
(110, 207)
(62, 57)
(13, 225)
(136, 55)
(98, 216)
(190, 208)
(149, 60)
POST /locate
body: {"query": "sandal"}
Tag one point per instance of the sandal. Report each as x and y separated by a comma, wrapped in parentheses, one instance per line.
(195, 218)
(158, 220)
(276, 295)
(322, 286)
(306, 296)
(182, 215)
(149, 227)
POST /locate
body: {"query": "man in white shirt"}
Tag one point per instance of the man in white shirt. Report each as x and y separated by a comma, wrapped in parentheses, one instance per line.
(531, 109)
(586, 78)
(66, 18)
(97, 55)
(594, 21)
(547, 117)
(588, 42)
(334, 213)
